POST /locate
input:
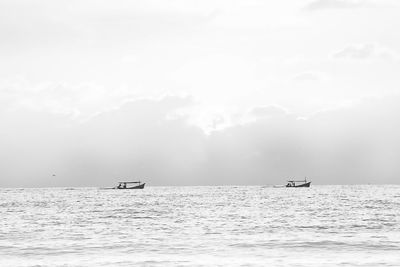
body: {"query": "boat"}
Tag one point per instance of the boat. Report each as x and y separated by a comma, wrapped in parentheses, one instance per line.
(304, 183)
(125, 185)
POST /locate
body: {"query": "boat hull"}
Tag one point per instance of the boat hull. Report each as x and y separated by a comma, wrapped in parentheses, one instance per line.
(301, 185)
(141, 186)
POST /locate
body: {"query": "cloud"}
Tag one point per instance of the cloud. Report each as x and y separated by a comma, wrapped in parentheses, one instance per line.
(80, 100)
(356, 51)
(138, 139)
(336, 4)
(365, 51)
(353, 144)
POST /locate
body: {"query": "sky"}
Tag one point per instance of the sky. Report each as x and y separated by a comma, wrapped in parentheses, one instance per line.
(184, 92)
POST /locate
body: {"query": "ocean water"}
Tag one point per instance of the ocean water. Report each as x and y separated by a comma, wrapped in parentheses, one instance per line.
(201, 226)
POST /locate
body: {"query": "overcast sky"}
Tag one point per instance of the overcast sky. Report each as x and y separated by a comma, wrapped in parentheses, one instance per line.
(205, 92)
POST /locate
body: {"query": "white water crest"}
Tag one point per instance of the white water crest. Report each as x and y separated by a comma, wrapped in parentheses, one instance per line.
(201, 226)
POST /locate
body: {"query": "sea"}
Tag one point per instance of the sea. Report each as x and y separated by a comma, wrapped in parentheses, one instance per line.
(338, 225)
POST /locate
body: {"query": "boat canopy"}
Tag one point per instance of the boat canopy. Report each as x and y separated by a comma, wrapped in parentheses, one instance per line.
(138, 182)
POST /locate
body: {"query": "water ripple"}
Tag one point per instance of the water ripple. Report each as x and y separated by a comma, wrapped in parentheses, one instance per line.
(201, 226)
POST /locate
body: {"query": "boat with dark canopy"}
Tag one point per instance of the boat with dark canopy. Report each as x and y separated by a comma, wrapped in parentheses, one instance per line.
(301, 183)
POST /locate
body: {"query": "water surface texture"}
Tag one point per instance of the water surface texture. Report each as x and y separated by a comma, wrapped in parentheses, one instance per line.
(201, 226)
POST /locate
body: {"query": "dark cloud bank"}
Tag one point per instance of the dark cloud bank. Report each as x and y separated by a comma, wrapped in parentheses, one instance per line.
(357, 144)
